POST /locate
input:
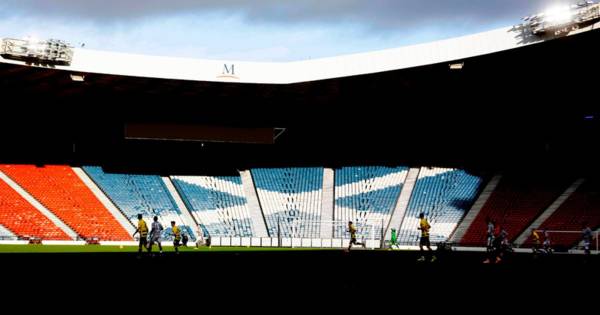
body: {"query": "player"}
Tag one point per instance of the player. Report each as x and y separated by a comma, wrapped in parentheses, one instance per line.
(547, 242)
(536, 241)
(143, 230)
(184, 239)
(394, 239)
(587, 238)
(501, 246)
(424, 227)
(352, 231)
(490, 234)
(176, 236)
(155, 233)
(200, 240)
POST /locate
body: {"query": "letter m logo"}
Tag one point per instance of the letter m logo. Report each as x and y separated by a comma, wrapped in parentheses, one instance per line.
(229, 69)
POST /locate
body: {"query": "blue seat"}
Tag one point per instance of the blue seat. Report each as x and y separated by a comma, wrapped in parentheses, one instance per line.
(366, 195)
(291, 200)
(218, 202)
(137, 194)
(444, 196)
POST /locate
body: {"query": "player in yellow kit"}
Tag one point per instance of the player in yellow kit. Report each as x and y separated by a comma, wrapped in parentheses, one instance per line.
(536, 241)
(352, 231)
(424, 227)
(143, 230)
(176, 236)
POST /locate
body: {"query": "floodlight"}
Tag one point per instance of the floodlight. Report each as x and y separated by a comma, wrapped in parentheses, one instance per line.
(50, 51)
(457, 66)
(78, 77)
(559, 15)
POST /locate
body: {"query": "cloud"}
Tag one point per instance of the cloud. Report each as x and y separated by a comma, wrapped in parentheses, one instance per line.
(267, 30)
(375, 14)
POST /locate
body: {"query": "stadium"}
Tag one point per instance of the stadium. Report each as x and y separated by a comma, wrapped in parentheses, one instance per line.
(267, 162)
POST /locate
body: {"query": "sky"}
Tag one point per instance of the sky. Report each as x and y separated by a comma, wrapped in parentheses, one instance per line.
(257, 30)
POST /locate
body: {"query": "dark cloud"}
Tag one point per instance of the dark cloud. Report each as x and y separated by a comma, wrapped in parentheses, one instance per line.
(377, 14)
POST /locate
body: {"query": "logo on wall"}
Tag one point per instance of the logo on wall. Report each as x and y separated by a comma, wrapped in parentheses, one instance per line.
(228, 72)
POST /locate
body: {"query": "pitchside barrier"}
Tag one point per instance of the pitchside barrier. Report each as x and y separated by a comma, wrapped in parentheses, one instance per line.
(309, 234)
(297, 235)
(570, 241)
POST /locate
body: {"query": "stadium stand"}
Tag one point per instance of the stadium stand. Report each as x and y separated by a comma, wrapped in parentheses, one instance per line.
(366, 194)
(582, 207)
(444, 195)
(137, 194)
(515, 203)
(290, 200)
(5, 233)
(218, 203)
(23, 219)
(60, 190)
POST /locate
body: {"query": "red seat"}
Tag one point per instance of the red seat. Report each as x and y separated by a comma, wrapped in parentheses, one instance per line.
(60, 190)
(583, 206)
(23, 219)
(514, 205)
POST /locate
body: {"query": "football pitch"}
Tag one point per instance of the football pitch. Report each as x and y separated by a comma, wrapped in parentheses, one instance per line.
(261, 270)
(133, 249)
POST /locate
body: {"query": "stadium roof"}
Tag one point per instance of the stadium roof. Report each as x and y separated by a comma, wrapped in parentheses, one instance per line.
(395, 106)
(455, 49)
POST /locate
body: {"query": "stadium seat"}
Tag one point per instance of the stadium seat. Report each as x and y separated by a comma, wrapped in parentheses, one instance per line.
(137, 194)
(5, 233)
(23, 219)
(218, 202)
(366, 194)
(290, 200)
(444, 195)
(583, 206)
(514, 205)
(60, 190)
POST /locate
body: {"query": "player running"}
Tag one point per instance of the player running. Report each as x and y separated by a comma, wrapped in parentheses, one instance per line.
(352, 231)
(394, 239)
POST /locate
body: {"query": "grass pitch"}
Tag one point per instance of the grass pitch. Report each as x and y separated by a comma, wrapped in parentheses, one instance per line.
(134, 249)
